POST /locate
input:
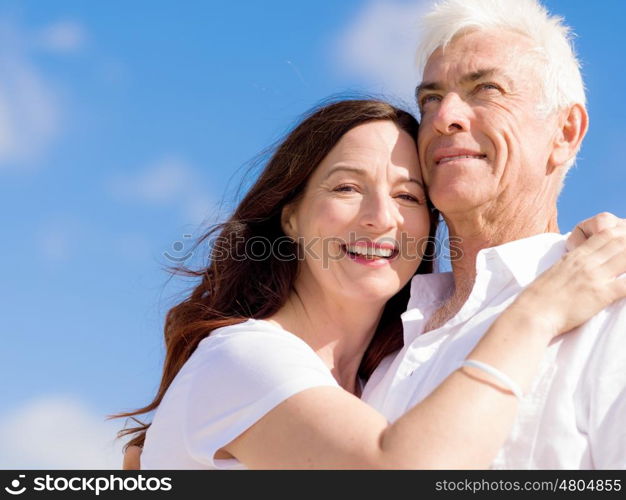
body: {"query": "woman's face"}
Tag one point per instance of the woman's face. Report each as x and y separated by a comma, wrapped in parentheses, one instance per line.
(363, 220)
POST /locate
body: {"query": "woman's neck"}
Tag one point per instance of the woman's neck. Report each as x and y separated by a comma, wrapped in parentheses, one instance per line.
(339, 331)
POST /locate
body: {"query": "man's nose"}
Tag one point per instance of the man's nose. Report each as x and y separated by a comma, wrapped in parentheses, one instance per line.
(378, 212)
(452, 115)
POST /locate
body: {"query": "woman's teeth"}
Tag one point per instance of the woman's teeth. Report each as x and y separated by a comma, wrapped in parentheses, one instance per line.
(369, 252)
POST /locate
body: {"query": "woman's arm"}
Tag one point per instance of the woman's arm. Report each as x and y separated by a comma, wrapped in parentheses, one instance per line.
(466, 419)
(132, 455)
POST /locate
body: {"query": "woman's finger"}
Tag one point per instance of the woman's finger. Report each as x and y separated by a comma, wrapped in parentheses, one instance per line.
(616, 264)
(591, 226)
(576, 238)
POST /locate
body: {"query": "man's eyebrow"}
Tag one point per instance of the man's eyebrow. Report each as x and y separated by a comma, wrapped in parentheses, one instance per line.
(467, 78)
(479, 75)
(422, 87)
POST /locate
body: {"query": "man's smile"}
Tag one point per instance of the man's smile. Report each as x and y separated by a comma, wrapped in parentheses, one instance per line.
(448, 155)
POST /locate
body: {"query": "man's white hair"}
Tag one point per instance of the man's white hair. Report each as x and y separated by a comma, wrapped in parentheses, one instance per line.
(562, 82)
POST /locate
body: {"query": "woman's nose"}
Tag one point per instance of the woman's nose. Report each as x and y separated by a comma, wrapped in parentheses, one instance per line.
(378, 212)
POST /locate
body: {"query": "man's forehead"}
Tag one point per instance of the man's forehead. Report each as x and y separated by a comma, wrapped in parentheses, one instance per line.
(479, 53)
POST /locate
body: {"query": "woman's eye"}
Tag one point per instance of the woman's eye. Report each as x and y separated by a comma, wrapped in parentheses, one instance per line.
(345, 188)
(409, 197)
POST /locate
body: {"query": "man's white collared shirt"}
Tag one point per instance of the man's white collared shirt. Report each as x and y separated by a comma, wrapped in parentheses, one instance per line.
(574, 417)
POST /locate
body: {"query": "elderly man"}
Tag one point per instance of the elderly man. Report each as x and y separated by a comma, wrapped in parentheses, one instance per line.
(503, 116)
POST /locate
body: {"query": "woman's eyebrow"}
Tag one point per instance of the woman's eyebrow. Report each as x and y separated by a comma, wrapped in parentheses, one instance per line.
(419, 183)
(339, 168)
(362, 172)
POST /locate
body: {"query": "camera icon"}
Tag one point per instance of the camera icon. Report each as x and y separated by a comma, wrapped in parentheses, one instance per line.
(15, 484)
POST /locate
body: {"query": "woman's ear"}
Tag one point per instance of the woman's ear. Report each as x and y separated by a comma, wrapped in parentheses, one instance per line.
(288, 220)
(572, 129)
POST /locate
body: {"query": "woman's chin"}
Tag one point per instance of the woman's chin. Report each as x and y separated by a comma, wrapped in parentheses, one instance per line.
(371, 291)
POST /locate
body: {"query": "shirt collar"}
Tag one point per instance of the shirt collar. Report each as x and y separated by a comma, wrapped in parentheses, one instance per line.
(431, 289)
(525, 259)
(428, 293)
(521, 259)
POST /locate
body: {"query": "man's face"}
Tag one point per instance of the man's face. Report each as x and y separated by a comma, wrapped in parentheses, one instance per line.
(482, 141)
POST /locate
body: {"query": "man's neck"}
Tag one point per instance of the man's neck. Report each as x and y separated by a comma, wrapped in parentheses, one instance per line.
(466, 240)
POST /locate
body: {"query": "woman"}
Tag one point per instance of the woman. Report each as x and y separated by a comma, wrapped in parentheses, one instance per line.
(266, 358)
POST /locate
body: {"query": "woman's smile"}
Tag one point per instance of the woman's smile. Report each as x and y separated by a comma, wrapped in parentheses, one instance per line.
(371, 254)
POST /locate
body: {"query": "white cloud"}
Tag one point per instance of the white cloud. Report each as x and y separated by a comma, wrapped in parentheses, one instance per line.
(57, 236)
(63, 36)
(113, 72)
(198, 207)
(132, 246)
(379, 45)
(61, 237)
(55, 244)
(29, 106)
(160, 183)
(167, 182)
(58, 432)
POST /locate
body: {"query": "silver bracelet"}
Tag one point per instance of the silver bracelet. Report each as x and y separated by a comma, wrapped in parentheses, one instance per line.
(494, 372)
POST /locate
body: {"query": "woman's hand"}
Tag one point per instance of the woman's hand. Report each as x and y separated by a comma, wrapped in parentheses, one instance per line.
(582, 283)
(589, 227)
(132, 458)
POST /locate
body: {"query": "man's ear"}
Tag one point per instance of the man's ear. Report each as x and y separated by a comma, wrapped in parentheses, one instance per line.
(573, 124)
(288, 221)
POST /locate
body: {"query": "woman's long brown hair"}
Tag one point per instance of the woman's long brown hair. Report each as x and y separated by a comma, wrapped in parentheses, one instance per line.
(232, 289)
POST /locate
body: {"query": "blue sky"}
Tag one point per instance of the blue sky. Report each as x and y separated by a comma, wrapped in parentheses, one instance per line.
(123, 125)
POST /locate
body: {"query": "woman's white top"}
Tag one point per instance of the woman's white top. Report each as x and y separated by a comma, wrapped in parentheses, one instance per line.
(234, 377)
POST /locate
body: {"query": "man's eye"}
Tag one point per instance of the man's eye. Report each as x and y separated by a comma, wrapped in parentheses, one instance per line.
(489, 86)
(427, 99)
